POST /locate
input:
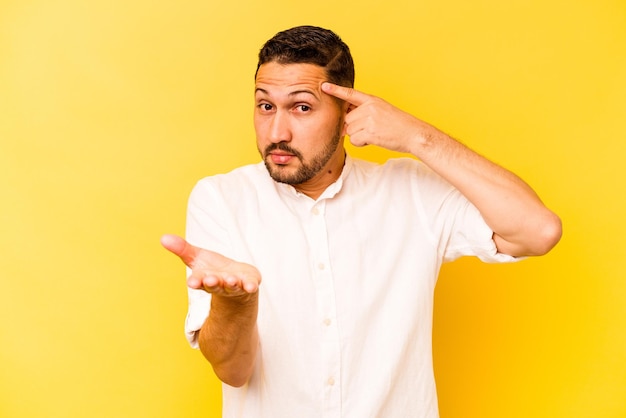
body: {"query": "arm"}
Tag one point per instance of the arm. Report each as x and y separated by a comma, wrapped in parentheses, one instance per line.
(521, 223)
(228, 338)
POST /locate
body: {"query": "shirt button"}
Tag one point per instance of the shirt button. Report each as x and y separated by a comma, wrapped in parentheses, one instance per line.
(315, 211)
(327, 322)
(330, 381)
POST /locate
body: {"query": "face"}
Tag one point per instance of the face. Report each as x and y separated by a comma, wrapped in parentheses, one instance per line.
(298, 127)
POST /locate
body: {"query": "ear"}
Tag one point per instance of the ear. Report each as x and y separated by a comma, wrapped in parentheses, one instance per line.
(344, 128)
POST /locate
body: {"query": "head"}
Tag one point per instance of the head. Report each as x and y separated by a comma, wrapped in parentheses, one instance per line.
(311, 45)
(298, 127)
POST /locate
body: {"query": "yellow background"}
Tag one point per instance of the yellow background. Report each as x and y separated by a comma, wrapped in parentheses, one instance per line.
(110, 110)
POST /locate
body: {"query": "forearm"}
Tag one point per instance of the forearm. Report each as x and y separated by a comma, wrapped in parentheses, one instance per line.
(521, 222)
(229, 338)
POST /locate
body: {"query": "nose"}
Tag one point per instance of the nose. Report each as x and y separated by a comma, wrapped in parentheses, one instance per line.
(280, 130)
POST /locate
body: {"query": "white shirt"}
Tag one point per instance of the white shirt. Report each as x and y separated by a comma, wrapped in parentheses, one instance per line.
(346, 299)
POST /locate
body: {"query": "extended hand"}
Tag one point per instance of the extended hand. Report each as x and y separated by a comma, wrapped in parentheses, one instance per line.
(213, 272)
(371, 120)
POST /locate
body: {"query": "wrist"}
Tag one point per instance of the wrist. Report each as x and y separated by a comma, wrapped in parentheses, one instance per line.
(238, 303)
(428, 142)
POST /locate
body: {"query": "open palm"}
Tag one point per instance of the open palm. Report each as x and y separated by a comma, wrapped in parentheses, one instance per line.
(213, 272)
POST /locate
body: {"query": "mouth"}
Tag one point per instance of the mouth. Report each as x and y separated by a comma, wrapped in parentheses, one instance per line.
(281, 153)
(281, 157)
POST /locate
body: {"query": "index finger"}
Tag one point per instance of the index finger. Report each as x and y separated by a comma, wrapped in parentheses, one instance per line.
(181, 248)
(348, 94)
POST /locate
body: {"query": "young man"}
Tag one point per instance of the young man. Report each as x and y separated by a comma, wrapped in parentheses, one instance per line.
(348, 250)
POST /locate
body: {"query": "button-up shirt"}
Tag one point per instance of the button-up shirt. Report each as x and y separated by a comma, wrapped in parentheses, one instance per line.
(348, 280)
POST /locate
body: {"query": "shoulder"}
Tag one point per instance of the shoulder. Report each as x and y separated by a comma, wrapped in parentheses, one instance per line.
(239, 183)
(247, 173)
(394, 169)
(399, 177)
(247, 176)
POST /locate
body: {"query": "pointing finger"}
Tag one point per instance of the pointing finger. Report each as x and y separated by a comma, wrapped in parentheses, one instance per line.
(180, 247)
(348, 94)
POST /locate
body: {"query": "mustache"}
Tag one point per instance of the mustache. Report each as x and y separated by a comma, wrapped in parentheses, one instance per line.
(281, 146)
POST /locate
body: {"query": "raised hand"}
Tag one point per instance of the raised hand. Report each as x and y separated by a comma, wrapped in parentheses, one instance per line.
(213, 272)
(372, 120)
(522, 225)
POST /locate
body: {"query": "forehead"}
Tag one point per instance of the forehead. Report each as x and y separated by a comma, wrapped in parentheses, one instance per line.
(275, 77)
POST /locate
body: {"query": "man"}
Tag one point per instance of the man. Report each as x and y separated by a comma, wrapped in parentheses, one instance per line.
(348, 251)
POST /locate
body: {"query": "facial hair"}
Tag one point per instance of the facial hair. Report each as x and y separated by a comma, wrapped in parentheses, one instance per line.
(307, 170)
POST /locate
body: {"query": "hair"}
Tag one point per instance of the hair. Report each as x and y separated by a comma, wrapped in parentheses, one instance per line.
(311, 45)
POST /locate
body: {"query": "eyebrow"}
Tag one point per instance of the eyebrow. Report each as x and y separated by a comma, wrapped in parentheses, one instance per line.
(290, 94)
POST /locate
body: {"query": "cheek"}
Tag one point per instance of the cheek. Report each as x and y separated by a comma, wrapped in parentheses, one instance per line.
(321, 125)
(256, 121)
(261, 139)
(260, 128)
(334, 126)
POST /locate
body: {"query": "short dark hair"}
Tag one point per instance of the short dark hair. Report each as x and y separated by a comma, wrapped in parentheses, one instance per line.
(311, 45)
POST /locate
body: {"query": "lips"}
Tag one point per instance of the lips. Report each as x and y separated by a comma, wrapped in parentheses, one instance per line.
(280, 153)
(281, 157)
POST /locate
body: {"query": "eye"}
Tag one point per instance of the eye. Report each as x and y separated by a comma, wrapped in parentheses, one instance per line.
(265, 107)
(304, 108)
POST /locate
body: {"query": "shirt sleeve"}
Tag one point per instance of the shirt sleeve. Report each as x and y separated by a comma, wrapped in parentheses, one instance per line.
(457, 226)
(206, 220)
(470, 236)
